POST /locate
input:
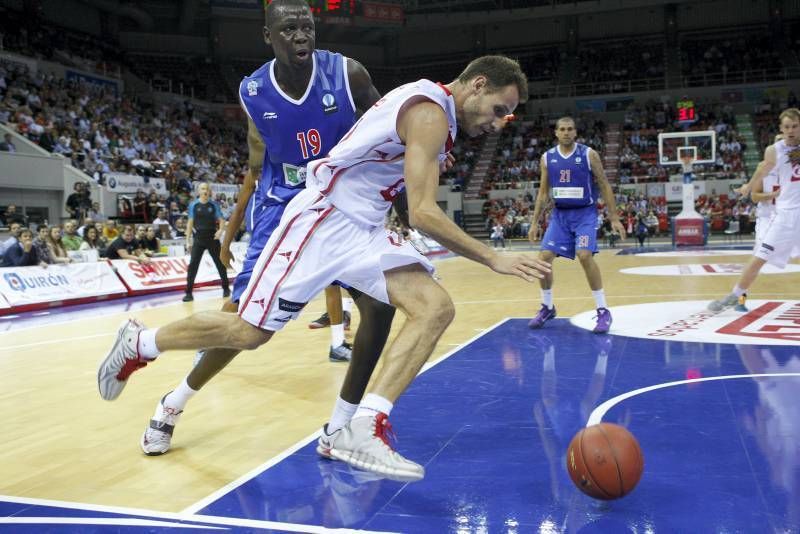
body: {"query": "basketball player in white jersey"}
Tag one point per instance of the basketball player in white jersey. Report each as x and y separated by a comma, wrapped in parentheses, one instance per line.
(782, 235)
(334, 230)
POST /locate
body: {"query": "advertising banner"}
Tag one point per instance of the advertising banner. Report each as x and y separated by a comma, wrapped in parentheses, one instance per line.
(674, 190)
(130, 183)
(22, 286)
(164, 273)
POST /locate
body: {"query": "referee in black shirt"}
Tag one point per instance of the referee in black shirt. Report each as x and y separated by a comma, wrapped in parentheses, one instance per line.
(201, 235)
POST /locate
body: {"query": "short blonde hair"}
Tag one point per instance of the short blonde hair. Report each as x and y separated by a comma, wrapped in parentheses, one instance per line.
(792, 113)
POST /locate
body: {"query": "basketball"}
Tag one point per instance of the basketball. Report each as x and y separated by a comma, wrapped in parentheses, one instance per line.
(605, 461)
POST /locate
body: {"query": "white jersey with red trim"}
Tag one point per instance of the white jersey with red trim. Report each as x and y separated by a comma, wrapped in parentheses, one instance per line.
(788, 165)
(364, 172)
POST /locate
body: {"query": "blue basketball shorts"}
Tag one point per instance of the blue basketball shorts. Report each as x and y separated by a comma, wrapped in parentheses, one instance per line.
(570, 230)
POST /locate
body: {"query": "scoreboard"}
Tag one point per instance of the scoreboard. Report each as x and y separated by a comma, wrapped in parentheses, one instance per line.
(346, 8)
(687, 114)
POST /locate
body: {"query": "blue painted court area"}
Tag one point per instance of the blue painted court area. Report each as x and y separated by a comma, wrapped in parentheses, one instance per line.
(492, 422)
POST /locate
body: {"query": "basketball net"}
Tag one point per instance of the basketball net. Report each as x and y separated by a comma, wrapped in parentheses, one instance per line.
(687, 160)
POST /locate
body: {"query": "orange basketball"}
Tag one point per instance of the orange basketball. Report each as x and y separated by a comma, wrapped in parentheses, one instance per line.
(605, 461)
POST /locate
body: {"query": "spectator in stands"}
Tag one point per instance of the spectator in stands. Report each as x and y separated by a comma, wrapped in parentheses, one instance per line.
(652, 223)
(95, 214)
(88, 222)
(7, 145)
(100, 227)
(92, 241)
(12, 216)
(150, 243)
(57, 251)
(22, 253)
(153, 205)
(141, 230)
(125, 246)
(160, 218)
(180, 226)
(110, 232)
(79, 201)
(12, 240)
(140, 206)
(498, 235)
(641, 229)
(40, 243)
(71, 240)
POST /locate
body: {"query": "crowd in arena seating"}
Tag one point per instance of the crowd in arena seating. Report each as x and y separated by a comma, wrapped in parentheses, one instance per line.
(614, 65)
(638, 157)
(755, 54)
(101, 132)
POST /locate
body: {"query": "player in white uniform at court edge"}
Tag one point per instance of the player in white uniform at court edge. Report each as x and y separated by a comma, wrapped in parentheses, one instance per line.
(782, 235)
(334, 230)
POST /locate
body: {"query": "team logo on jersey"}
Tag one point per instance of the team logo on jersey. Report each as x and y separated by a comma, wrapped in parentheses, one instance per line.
(329, 104)
(252, 88)
(578, 159)
(268, 115)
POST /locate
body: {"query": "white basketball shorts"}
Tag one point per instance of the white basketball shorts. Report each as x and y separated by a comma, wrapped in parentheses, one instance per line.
(314, 245)
(781, 239)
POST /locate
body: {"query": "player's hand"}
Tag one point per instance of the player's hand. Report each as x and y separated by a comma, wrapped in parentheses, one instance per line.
(225, 256)
(744, 190)
(447, 164)
(617, 225)
(525, 266)
(535, 233)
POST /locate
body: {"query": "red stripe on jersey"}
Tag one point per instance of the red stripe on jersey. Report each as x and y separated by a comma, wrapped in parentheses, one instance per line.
(445, 89)
(292, 263)
(342, 170)
(271, 255)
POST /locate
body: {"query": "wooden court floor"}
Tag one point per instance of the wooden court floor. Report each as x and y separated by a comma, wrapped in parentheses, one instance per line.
(62, 442)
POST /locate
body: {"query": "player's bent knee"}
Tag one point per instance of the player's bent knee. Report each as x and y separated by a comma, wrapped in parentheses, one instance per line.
(585, 256)
(250, 337)
(440, 312)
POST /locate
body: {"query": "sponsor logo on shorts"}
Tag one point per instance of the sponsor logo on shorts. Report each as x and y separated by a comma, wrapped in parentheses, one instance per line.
(768, 322)
(289, 306)
(768, 247)
(283, 319)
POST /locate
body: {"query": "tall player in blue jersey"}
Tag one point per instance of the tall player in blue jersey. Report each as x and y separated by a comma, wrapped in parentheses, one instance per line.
(299, 105)
(572, 174)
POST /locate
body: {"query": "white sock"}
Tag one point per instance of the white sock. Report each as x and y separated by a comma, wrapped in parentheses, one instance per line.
(547, 298)
(337, 335)
(147, 344)
(600, 298)
(347, 305)
(738, 291)
(178, 398)
(342, 413)
(373, 404)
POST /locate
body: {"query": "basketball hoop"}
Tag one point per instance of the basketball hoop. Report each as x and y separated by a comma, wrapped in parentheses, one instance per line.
(687, 160)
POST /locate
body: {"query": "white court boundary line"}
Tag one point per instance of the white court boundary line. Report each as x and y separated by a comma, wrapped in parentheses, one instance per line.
(202, 503)
(209, 519)
(601, 410)
(122, 521)
(673, 296)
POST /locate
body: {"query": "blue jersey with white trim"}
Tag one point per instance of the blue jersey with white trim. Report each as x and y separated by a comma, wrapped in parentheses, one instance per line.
(296, 131)
(571, 179)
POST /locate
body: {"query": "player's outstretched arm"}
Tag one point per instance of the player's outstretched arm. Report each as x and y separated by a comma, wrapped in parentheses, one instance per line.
(764, 167)
(423, 128)
(605, 189)
(534, 234)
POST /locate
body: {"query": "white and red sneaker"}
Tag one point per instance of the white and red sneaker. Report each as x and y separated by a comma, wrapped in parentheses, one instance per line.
(364, 444)
(157, 438)
(122, 360)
